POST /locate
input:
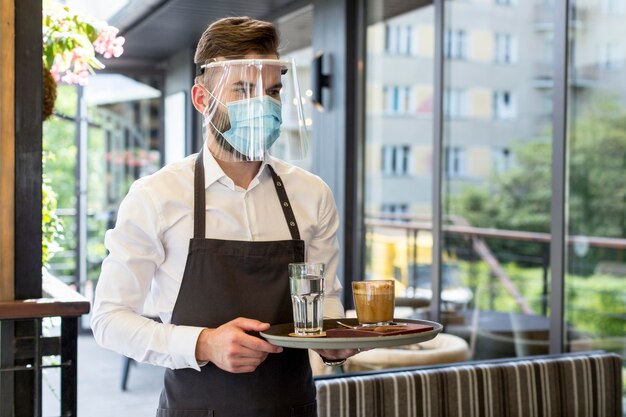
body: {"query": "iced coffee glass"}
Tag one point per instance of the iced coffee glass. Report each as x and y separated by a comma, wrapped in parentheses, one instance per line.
(374, 301)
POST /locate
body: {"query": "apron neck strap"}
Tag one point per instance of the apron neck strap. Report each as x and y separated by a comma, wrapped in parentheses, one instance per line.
(285, 204)
(199, 201)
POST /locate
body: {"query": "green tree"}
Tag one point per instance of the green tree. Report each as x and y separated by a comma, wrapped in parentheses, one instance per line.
(597, 170)
(520, 199)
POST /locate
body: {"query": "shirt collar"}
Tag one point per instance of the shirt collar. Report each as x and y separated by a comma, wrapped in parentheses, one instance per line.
(214, 173)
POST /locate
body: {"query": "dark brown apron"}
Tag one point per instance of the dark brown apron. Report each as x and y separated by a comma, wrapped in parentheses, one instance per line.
(226, 279)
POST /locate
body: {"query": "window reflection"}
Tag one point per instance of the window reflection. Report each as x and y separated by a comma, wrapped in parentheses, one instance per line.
(496, 164)
(398, 136)
(296, 30)
(595, 285)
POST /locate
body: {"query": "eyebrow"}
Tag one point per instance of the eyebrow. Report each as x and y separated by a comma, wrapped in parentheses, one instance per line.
(252, 85)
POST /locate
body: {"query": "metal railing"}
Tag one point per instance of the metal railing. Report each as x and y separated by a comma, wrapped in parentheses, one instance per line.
(24, 346)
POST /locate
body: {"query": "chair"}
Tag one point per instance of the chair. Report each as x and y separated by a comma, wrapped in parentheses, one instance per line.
(445, 348)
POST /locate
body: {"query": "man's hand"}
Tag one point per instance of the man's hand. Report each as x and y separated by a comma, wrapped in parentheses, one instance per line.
(337, 354)
(231, 349)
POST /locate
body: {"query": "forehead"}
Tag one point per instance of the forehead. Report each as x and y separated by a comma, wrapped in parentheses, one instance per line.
(253, 73)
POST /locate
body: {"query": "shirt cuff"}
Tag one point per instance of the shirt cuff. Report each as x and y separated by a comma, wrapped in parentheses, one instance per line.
(182, 347)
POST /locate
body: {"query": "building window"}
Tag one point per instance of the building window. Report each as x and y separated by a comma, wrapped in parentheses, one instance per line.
(613, 7)
(504, 105)
(394, 208)
(455, 103)
(399, 99)
(398, 39)
(505, 2)
(396, 160)
(506, 48)
(611, 56)
(455, 44)
(455, 162)
(501, 159)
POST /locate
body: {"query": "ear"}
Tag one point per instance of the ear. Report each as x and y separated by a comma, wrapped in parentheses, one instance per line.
(199, 97)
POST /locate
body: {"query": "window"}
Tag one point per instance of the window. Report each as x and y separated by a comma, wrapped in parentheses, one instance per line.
(455, 103)
(505, 2)
(613, 7)
(394, 208)
(506, 48)
(399, 99)
(455, 44)
(611, 56)
(501, 159)
(503, 105)
(398, 39)
(396, 160)
(455, 162)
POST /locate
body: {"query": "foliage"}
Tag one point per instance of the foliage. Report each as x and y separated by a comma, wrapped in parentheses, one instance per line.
(594, 304)
(597, 167)
(71, 41)
(52, 227)
(520, 199)
(70, 44)
(59, 139)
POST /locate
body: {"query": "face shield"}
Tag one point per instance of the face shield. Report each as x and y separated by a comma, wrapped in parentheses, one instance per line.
(253, 107)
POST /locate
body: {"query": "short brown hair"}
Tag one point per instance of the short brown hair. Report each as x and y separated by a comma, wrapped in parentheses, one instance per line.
(237, 36)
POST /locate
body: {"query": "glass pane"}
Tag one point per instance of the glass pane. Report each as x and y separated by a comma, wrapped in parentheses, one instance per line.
(595, 286)
(123, 137)
(59, 173)
(296, 30)
(398, 148)
(124, 144)
(497, 175)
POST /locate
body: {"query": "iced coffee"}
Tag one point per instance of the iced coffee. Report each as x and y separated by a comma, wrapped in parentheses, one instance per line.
(374, 301)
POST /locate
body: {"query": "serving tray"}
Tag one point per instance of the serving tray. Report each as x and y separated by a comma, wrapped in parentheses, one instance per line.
(279, 335)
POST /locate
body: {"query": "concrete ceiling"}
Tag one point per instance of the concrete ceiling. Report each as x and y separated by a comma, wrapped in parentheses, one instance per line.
(156, 29)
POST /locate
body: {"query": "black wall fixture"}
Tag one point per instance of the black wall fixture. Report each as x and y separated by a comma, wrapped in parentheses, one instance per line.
(320, 80)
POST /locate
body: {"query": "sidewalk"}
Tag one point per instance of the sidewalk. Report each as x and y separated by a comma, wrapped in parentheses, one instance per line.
(99, 393)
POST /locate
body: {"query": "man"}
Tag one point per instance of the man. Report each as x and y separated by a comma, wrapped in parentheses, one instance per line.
(210, 238)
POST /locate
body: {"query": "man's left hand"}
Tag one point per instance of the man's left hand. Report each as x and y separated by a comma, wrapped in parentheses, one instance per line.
(337, 356)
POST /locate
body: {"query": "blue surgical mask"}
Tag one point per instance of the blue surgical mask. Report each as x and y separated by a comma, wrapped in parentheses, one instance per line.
(254, 124)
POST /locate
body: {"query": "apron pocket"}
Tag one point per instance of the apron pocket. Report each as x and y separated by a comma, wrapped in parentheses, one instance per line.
(164, 412)
(306, 410)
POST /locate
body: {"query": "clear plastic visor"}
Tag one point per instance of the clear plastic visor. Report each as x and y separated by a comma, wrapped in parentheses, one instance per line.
(253, 107)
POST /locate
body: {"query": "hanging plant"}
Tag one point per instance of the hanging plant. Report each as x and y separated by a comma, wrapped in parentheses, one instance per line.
(70, 44)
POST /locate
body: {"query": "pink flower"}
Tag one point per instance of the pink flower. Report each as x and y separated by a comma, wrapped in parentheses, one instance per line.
(108, 43)
(67, 35)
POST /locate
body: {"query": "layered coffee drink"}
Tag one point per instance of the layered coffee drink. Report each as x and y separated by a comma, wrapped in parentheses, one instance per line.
(374, 301)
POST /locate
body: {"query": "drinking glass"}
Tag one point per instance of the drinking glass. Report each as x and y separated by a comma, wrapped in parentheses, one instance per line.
(306, 281)
(374, 301)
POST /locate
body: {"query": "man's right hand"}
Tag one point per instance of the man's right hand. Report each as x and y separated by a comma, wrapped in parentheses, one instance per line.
(230, 348)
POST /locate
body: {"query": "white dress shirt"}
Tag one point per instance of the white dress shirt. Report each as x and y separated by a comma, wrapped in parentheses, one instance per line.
(149, 244)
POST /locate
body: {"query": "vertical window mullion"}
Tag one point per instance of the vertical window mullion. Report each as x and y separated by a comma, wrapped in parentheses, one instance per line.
(435, 304)
(559, 155)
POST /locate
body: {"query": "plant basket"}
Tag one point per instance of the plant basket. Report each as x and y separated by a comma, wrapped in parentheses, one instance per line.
(49, 94)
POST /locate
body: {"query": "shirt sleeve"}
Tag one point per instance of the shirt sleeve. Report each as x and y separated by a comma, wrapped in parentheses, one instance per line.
(135, 252)
(325, 248)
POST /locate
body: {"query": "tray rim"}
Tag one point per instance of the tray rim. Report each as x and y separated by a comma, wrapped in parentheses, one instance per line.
(353, 342)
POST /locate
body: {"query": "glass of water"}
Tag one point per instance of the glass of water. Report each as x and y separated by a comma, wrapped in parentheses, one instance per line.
(306, 281)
